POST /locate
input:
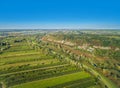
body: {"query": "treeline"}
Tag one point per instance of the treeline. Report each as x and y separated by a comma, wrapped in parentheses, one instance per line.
(91, 39)
(108, 53)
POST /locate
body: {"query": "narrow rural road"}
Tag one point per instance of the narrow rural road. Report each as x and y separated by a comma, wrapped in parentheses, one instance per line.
(102, 78)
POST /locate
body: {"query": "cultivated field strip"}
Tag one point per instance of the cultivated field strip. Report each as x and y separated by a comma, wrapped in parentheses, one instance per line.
(28, 65)
(49, 82)
(20, 53)
(23, 58)
(86, 82)
(38, 69)
(37, 74)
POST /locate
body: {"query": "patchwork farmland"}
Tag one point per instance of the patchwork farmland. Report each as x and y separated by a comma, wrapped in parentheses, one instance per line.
(21, 66)
(28, 61)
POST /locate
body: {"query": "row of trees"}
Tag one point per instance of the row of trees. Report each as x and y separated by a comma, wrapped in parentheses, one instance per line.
(108, 53)
(92, 39)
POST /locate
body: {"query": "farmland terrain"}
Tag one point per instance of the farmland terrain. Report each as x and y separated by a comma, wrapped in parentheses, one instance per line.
(60, 59)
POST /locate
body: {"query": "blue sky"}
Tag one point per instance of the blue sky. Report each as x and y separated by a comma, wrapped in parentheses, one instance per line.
(59, 14)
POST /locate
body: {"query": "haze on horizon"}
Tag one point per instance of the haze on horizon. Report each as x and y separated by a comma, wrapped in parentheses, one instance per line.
(57, 14)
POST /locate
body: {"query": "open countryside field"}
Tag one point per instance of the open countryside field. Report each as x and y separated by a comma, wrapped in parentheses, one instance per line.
(21, 66)
(31, 61)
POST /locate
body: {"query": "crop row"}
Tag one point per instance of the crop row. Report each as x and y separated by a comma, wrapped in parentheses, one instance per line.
(31, 75)
(54, 81)
(28, 65)
(81, 83)
(18, 53)
(17, 48)
(23, 58)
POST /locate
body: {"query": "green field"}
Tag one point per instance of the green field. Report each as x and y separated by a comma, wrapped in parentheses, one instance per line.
(46, 83)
